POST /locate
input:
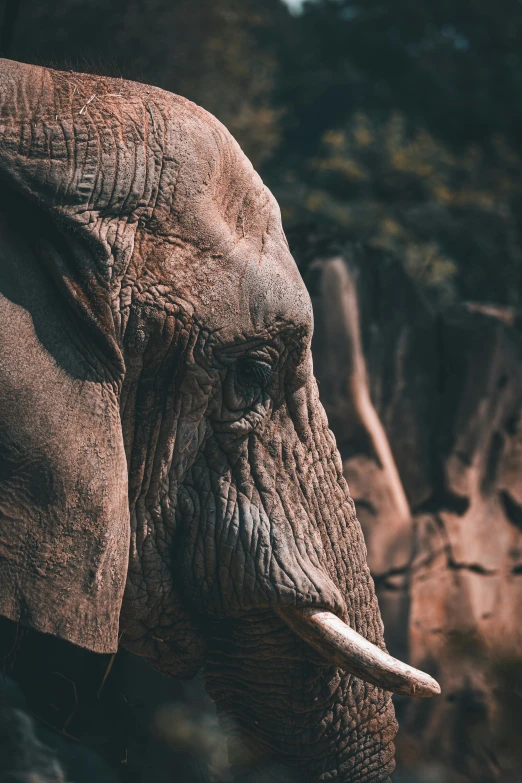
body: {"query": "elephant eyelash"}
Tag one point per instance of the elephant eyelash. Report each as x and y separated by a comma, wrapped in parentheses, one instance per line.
(251, 372)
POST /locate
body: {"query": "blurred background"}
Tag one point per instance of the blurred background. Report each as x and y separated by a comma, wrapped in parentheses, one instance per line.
(391, 133)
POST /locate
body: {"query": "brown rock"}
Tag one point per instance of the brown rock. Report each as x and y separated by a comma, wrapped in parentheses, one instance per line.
(427, 411)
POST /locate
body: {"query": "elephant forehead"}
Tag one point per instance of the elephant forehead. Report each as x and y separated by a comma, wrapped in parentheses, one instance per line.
(209, 230)
(241, 290)
(271, 293)
(242, 275)
(226, 252)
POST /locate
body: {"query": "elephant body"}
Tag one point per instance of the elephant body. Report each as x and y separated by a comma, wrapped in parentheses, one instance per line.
(168, 480)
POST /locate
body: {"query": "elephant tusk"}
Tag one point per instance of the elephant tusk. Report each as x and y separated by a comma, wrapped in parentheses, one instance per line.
(341, 645)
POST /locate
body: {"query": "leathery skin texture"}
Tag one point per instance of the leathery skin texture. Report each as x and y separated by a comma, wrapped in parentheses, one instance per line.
(169, 476)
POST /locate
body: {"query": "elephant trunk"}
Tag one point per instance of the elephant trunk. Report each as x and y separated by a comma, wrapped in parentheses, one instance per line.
(292, 720)
(261, 670)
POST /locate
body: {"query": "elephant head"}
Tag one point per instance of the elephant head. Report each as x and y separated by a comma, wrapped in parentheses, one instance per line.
(167, 475)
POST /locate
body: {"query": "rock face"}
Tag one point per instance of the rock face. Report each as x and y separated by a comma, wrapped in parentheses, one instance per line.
(427, 411)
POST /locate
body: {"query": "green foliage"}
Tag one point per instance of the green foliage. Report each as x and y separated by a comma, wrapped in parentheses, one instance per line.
(453, 66)
(400, 189)
(208, 51)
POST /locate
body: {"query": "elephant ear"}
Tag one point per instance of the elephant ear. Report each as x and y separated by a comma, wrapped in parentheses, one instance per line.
(64, 517)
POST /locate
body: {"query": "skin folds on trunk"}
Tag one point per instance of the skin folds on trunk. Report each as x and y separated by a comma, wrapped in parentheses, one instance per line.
(288, 500)
(330, 725)
(267, 521)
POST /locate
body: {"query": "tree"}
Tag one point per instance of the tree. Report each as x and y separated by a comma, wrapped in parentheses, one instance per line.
(450, 216)
(453, 66)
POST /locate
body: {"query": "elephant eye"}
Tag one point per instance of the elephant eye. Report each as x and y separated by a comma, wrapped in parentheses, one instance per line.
(251, 372)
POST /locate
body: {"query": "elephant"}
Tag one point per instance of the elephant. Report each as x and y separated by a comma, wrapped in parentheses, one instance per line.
(168, 481)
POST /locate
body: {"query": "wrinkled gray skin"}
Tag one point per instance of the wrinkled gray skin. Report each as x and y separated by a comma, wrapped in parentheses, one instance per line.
(156, 379)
